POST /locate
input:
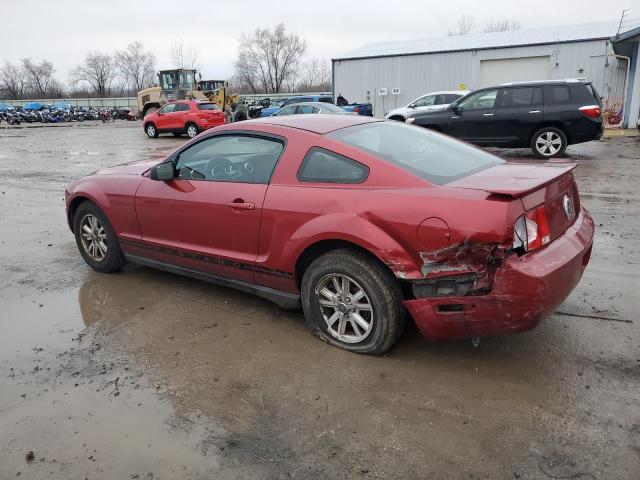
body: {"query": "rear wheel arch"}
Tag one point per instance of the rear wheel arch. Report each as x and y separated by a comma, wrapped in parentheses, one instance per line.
(553, 124)
(397, 118)
(316, 250)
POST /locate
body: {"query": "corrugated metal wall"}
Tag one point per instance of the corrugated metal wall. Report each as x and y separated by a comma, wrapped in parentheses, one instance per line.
(419, 74)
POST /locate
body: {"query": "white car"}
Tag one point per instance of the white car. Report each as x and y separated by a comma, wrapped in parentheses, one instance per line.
(429, 101)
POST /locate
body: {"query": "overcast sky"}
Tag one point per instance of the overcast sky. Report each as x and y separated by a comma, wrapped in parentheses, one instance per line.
(63, 31)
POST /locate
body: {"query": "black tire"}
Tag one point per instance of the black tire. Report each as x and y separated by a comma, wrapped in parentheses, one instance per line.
(191, 129)
(397, 118)
(382, 293)
(240, 115)
(549, 142)
(151, 130)
(114, 259)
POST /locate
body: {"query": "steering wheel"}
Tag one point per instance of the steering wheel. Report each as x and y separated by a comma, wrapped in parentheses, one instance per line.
(221, 168)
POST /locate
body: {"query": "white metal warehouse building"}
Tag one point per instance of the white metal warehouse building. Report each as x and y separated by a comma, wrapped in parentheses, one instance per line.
(606, 53)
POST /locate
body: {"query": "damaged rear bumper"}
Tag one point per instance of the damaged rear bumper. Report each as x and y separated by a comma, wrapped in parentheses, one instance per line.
(525, 290)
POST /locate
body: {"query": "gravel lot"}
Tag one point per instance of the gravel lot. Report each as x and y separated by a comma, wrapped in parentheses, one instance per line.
(148, 375)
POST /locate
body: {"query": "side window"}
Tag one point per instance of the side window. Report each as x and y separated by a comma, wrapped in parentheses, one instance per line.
(230, 158)
(480, 101)
(168, 108)
(450, 97)
(325, 100)
(290, 110)
(305, 109)
(425, 101)
(556, 95)
(305, 99)
(182, 107)
(322, 166)
(517, 97)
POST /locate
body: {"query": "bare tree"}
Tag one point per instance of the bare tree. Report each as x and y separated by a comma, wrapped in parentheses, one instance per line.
(98, 70)
(136, 66)
(500, 25)
(13, 81)
(465, 24)
(38, 75)
(244, 76)
(184, 56)
(316, 76)
(269, 58)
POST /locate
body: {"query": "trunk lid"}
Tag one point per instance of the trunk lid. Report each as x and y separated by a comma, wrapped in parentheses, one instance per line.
(551, 184)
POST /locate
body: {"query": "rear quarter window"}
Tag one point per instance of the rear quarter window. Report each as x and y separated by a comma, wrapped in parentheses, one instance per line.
(208, 106)
(556, 95)
(585, 94)
(324, 166)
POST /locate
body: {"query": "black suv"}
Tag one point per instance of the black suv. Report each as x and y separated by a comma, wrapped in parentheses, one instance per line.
(546, 116)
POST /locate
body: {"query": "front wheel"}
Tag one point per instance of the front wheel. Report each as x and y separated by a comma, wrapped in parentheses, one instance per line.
(151, 130)
(352, 302)
(549, 142)
(96, 239)
(192, 130)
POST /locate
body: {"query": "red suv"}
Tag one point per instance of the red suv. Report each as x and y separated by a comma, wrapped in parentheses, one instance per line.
(184, 116)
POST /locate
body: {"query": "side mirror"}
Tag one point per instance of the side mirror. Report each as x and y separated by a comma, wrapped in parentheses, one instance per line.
(456, 109)
(163, 171)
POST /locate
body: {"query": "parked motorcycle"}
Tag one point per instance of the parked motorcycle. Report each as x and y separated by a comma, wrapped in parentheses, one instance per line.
(10, 117)
(106, 116)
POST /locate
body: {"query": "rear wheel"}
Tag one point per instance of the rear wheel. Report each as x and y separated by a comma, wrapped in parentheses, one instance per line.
(96, 239)
(151, 130)
(191, 129)
(352, 302)
(549, 142)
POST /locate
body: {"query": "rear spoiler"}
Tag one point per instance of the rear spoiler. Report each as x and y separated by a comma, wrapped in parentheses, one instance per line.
(514, 179)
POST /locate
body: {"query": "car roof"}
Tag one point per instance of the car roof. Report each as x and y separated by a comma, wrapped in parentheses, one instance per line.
(313, 123)
(313, 104)
(445, 92)
(544, 82)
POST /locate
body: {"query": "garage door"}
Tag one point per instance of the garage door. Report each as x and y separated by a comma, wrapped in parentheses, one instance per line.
(495, 72)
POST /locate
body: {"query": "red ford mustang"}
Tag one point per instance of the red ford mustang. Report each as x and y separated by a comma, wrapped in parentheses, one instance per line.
(358, 220)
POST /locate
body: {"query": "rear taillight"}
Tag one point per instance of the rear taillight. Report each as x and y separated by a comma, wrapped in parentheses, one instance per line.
(591, 111)
(531, 230)
(356, 109)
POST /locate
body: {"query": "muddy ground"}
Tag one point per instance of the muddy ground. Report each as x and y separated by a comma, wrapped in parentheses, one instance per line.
(148, 375)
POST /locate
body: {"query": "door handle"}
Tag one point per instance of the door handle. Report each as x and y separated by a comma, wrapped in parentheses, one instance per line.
(487, 114)
(534, 111)
(239, 204)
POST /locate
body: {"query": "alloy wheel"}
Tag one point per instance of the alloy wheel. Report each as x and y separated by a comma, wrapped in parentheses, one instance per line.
(151, 131)
(346, 308)
(93, 237)
(548, 143)
(192, 131)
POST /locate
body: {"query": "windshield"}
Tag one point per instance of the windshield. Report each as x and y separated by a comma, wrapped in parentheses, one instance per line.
(183, 80)
(427, 154)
